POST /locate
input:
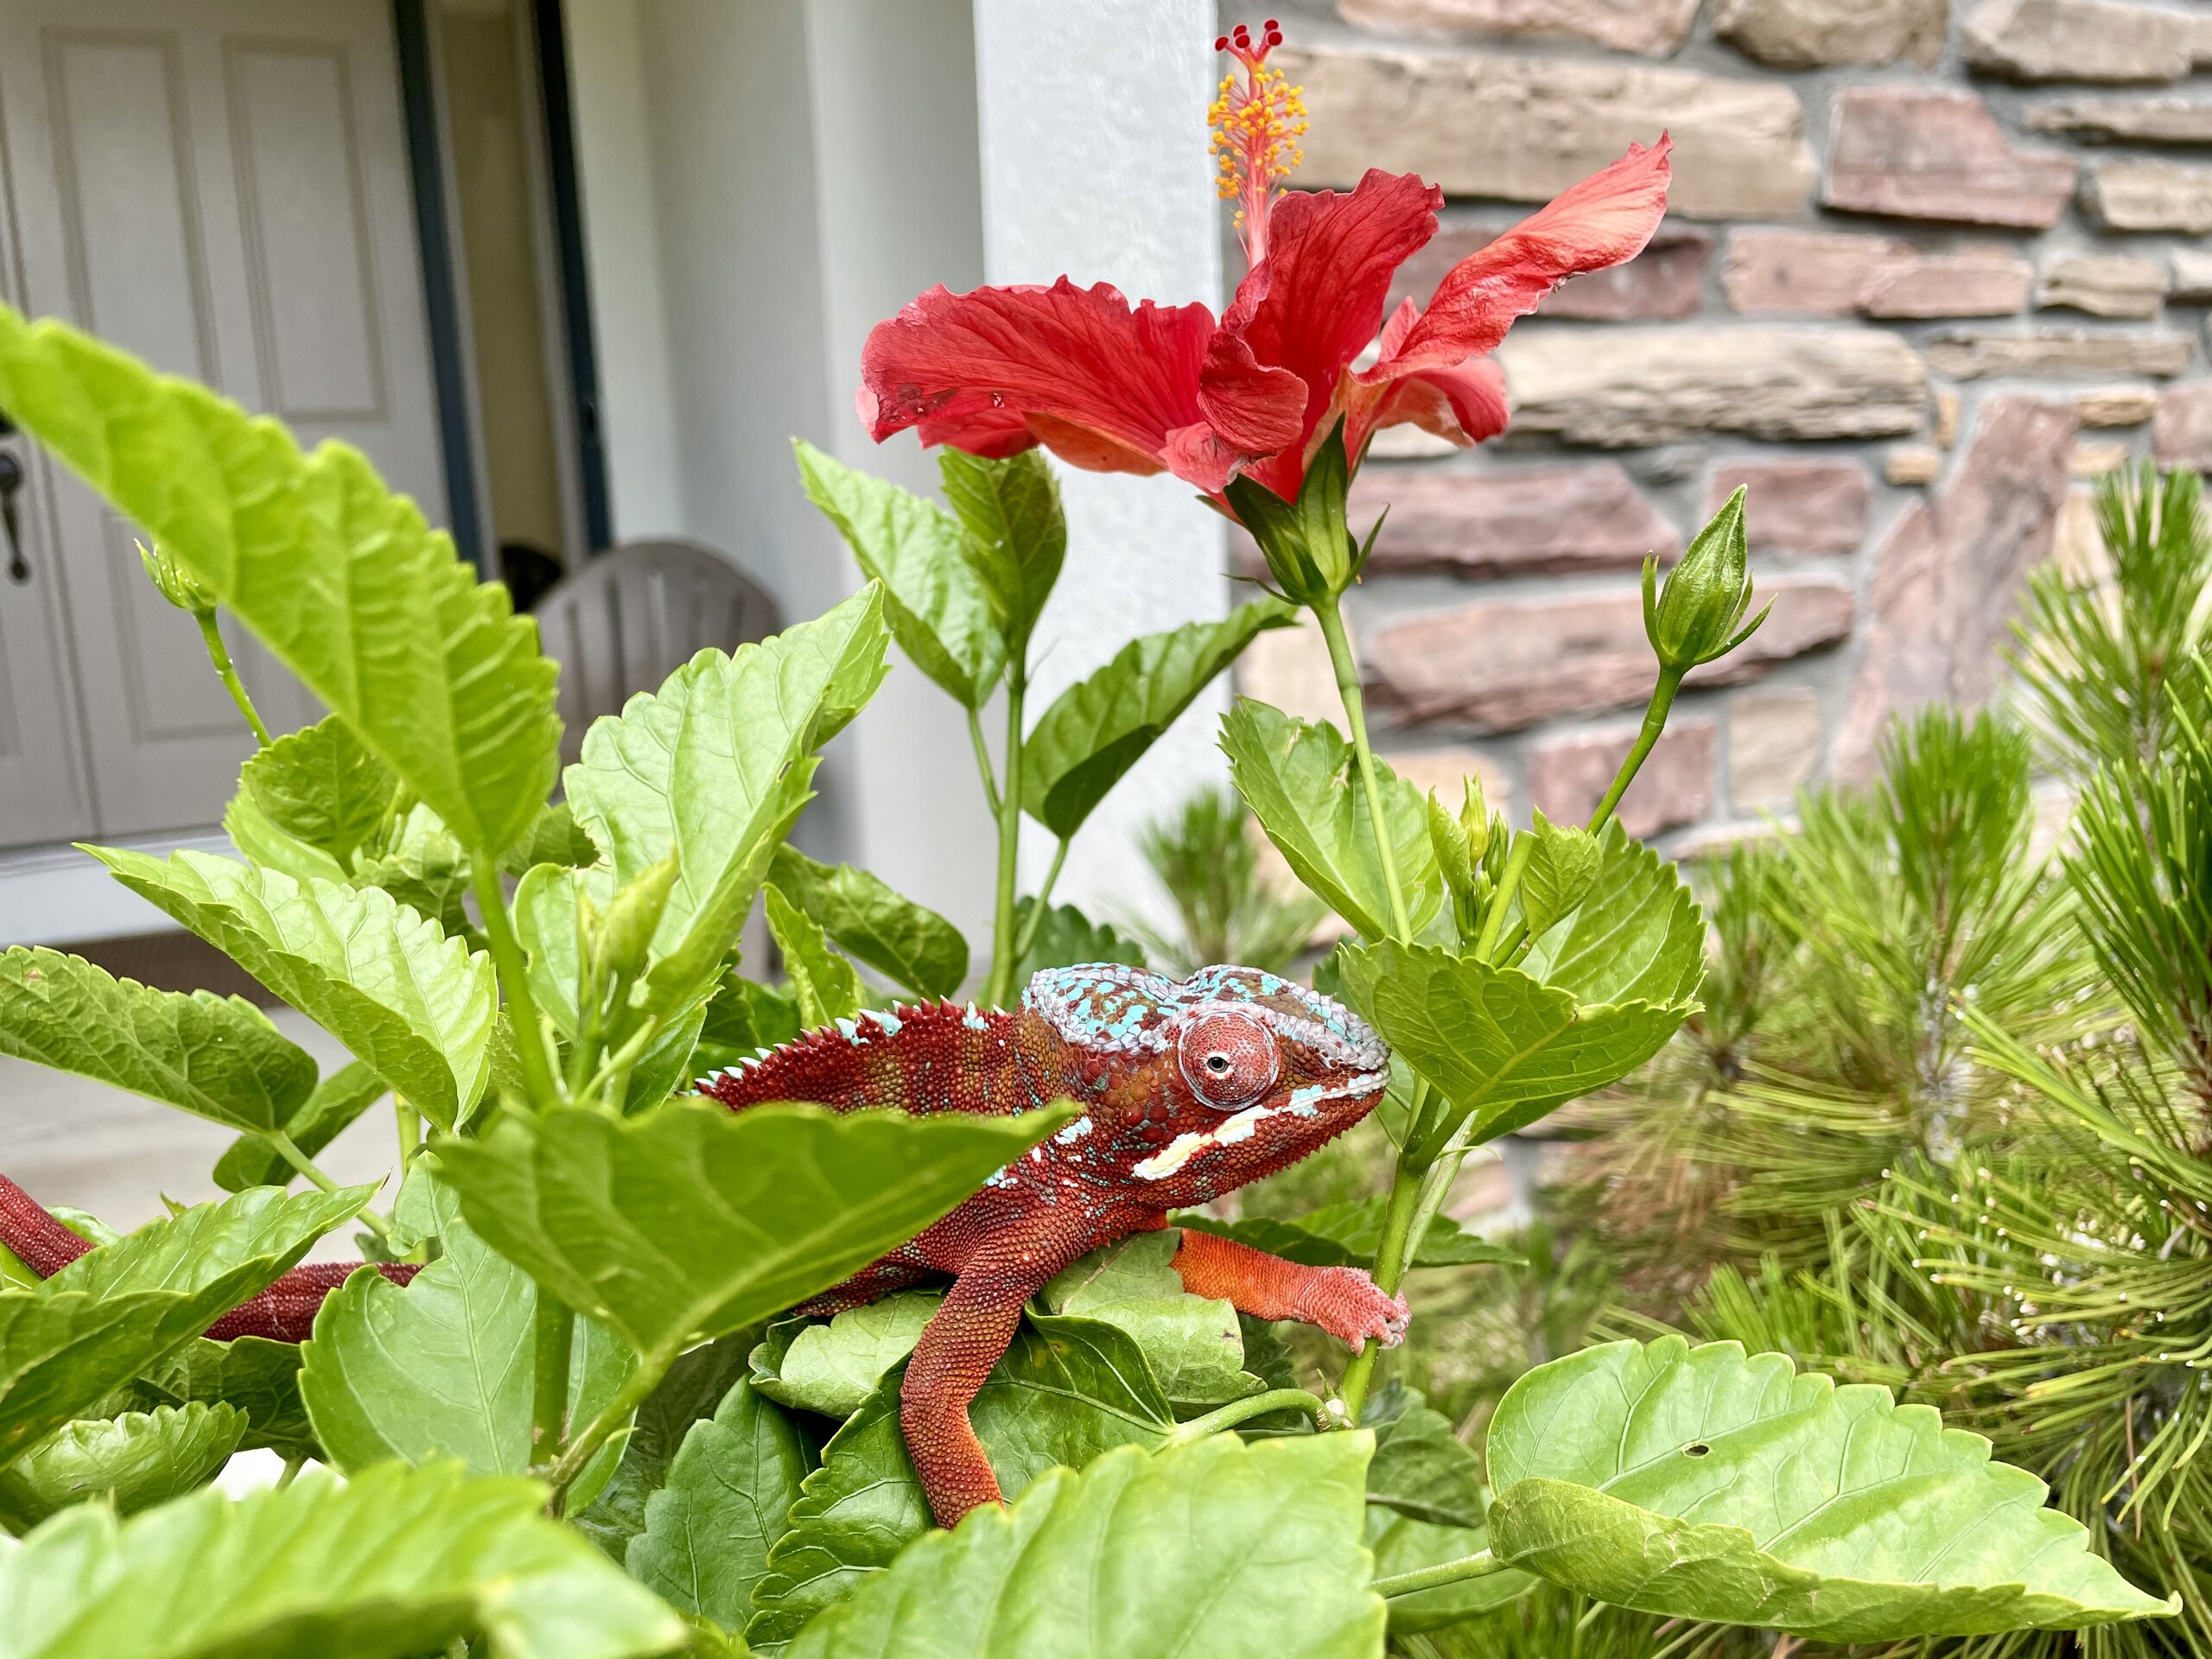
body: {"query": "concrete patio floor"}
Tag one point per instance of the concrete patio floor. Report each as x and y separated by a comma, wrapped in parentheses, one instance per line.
(66, 1140)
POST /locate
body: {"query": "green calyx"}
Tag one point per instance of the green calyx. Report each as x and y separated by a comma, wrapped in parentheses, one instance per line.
(1307, 543)
(1694, 616)
(173, 582)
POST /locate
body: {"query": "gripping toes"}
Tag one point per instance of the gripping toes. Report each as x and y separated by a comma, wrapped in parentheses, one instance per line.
(1352, 1308)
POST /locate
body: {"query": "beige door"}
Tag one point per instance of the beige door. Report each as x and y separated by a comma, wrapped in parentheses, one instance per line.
(222, 187)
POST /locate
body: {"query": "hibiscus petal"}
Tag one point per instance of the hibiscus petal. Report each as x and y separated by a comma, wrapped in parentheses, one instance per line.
(1083, 370)
(1464, 404)
(1313, 305)
(1079, 446)
(1255, 411)
(993, 434)
(1601, 221)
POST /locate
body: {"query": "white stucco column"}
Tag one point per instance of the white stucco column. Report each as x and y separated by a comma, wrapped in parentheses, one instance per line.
(1095, 165)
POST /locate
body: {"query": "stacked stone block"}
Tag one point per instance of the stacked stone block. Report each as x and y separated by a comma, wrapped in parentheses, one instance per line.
(1929, 270)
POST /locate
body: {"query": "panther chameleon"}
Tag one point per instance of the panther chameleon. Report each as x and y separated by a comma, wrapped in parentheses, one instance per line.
(1187, 1090)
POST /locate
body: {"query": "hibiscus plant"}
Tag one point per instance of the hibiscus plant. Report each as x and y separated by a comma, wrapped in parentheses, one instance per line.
(564, 1415)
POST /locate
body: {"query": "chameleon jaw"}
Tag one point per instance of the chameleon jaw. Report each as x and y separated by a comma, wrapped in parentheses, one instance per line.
(1240, 1127)
(1183, 1147)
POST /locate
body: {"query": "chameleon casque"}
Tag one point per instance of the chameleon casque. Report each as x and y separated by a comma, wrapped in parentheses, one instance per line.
(1188, 1091)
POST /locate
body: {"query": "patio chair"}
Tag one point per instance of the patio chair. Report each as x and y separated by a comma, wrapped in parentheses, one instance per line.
(633, 616)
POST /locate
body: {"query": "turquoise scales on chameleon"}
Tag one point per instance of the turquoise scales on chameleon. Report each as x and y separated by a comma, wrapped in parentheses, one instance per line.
(1189, 1091)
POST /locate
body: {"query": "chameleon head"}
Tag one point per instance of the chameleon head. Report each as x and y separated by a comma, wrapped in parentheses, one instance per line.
(1196, 1087)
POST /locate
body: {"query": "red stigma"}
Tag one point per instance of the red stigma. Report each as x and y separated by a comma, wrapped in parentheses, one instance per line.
(1247, 49)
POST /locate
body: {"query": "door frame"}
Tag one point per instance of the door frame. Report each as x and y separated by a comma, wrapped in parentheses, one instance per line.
(563, 282)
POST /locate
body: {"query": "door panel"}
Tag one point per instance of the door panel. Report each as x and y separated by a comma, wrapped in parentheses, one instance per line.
(304, 202)
(222, 187)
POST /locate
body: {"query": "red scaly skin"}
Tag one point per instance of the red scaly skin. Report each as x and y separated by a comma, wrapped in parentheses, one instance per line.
(283, 1312)
(1189, 1090)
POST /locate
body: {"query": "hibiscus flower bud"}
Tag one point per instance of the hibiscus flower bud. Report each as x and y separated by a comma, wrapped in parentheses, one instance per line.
(1692, 618)
(174, 582)
(626, 933)
(1474, 817)
(1460, 843)
(1307, 543)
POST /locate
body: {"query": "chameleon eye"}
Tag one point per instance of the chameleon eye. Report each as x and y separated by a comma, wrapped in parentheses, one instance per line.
(1227, 1059)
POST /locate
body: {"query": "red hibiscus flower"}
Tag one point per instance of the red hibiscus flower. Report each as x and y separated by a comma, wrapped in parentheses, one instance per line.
(1148, 388)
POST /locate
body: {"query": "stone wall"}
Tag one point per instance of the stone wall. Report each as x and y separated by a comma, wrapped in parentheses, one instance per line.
(1932, 268)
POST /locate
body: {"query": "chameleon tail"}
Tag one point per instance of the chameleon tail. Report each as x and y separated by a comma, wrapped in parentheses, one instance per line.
(39, 1242)
(283, 1312)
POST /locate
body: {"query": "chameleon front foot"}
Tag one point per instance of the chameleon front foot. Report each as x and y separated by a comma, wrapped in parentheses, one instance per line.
(1343, 1301)
(1352, 1309)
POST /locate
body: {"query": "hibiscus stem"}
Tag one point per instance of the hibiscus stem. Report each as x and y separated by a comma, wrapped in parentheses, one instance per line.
(1330, 617)
(219, 655)
(1029, 928)
(984, 761)
(999, 990)
(553, 1343)
(1242, 1411)
(1389, 1272)
(1480, 1565)
(1655, 723)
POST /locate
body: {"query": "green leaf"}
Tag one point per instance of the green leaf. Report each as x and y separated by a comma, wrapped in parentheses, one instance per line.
(1302, 783)
(896, 936)
(832, 1369)
(209, 1245)
(337, 1101)
(1220, 1549)
(397, 1561)
(1420, 1467)
(136, 1461)
(714, 769)
(690, 1220)
(442, 1368)
(1638, 936)
(1099, 727)
(252, 834)
(114, 1312)
(1017, 534)
(669, 1063)
(1828, 1512)
(424, 869)
(1402, 1544)
(322, 786)
(413, 1005)
(743, 1019)
(1067, 1391)
(1194, 1346)
(1501, 1049)
(1068, 938)
(1348, 1235)
(1560, 873)
(259, 1377)
(708, 1532)
(937, 606)
(555, 837)
(215, 1056)
(340, 579)
(823, 982)
(690, 1391)
(544, 910)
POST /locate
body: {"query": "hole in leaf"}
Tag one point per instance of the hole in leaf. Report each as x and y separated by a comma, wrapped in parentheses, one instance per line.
(1696, 1449)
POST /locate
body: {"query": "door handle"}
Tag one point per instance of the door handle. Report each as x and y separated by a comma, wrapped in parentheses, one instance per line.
(11, 526)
